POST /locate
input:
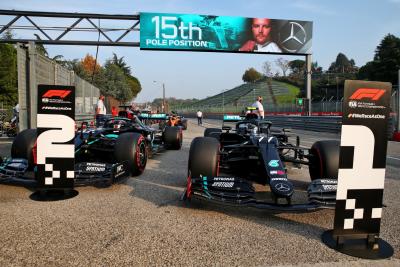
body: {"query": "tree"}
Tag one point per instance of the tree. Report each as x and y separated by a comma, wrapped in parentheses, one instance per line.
(116, 83)
(283, 64)
(8, 74)
(297, 67)
(40, 47)
(251, 75)
(386, 61)
(90, 65)
(8, 34)
(315, 68)
(59, 59)
(267, 69)
(132, 82)
(343, 65)
(120, 62)
(8, 71)
(134, 85)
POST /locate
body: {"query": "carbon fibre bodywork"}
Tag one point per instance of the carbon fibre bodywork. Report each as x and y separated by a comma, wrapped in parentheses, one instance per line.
(253, 153)
(95, 161)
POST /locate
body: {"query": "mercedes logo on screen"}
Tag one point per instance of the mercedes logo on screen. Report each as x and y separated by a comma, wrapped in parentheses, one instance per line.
(292, 36)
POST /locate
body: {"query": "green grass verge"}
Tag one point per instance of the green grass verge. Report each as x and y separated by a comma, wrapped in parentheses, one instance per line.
(289, 98)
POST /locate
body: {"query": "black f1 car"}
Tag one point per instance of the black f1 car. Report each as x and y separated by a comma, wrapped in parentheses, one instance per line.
(119, 148)
(224, 165)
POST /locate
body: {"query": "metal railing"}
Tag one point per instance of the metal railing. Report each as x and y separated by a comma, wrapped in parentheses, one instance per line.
(330, 124)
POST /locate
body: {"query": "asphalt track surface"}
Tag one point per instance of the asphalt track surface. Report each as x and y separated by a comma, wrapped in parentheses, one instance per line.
(142, 222)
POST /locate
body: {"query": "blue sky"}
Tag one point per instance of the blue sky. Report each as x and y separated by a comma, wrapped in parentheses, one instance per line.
(353, 27)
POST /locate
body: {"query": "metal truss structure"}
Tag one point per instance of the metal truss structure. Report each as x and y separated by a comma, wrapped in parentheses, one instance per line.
(132, 22)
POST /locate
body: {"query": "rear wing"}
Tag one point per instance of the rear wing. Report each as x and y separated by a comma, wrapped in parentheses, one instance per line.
(232, 118)
(149, 116)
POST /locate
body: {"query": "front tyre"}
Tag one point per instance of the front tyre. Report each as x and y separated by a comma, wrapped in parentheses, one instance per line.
(204, 157)
(324, 162)
(23, 144)
(131, 148)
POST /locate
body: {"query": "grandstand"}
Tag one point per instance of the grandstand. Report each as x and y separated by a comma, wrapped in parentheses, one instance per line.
(273, 93)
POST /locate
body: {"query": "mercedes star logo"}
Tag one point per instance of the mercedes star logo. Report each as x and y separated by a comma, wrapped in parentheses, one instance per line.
(282, 187)
(296, 39)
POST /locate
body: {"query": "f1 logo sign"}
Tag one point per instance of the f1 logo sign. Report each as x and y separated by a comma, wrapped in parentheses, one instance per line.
(373, 94)
(60, 93)
(362, 160)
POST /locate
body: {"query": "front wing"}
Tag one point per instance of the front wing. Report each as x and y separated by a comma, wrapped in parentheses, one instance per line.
(15, 172)
(238, 191)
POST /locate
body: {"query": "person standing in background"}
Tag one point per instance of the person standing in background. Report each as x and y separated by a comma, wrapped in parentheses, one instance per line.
(259, 106)
(199, 115)
(100, 111)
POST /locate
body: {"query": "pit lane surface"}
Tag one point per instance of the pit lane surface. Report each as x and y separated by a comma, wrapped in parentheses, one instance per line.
(142, 222)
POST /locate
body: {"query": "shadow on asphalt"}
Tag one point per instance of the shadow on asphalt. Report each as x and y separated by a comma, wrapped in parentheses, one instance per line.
(164, 187)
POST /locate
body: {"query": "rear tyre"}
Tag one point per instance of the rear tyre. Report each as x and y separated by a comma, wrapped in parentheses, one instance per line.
(22, 146)
(208, 132)
(203, 157)
(173, 137)
(131, 147)
(325, 160)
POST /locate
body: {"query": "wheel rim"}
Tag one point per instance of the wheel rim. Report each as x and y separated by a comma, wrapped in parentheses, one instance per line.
(189, 185)
(141, 154)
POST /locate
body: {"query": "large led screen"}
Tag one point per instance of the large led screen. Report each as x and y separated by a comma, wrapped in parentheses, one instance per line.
(161, 31)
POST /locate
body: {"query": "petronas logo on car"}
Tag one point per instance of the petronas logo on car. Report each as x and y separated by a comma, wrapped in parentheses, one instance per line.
(273, 163)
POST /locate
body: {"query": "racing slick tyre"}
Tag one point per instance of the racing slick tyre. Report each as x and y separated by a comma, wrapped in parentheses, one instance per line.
(131, 148)
(325, 160)
(209, 132)
(204, 157)
(22, 146)
(173, 137)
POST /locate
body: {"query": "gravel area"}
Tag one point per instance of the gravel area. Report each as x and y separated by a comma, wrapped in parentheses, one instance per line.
(142, 222)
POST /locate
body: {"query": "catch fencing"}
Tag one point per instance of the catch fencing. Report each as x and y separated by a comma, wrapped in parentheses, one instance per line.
(330, 124)
(35, 69)
(325, 108)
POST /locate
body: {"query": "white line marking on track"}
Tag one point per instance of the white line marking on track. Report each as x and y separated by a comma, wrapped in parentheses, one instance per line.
(392, 158)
